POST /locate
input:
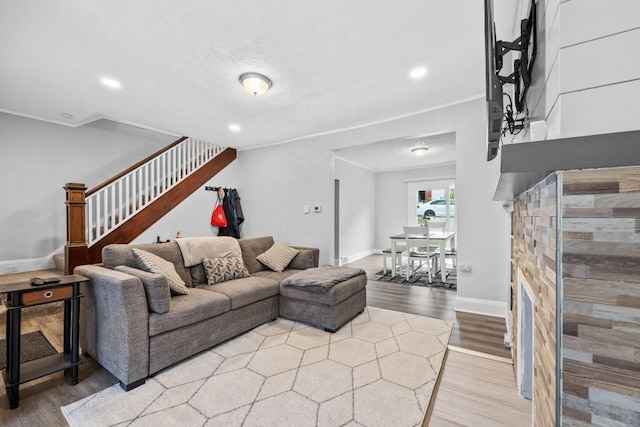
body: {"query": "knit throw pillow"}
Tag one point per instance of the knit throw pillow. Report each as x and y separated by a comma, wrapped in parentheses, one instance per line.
(223, 269)
(277, 257)
(154, 264)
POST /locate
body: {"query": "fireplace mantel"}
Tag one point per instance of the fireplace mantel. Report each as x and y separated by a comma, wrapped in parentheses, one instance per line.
(523, 165)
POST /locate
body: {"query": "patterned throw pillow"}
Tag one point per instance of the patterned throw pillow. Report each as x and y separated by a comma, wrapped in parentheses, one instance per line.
(154, 264)
(278, 256)
(223, 269)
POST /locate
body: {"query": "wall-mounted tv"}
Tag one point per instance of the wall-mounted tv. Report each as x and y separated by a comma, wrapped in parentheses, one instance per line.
(494, 85)
(521, 77)
(528, 50)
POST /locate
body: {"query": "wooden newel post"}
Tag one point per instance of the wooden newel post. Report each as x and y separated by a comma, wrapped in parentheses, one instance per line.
(76, 251)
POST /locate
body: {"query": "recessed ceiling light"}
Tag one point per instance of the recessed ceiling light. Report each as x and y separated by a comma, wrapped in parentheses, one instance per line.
(67, 115)
(419, 151)
(234, 127)
(111, 83)
(417, 73)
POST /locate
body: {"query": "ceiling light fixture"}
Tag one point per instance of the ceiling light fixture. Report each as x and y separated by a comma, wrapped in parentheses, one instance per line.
(417, 73)
(419, 151)
(111, 83)
(234, 127)
(67, 115)
(256, 84)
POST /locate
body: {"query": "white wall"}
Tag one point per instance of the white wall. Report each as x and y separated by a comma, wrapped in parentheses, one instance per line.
(586, 77)
(357, 210)
(192, 217)
(600, 70)
(277, 181)
(391, 203)
(36, 160)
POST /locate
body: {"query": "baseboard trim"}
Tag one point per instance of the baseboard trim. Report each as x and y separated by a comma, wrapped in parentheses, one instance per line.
(481, 306)
(29, 264)
(359, 255)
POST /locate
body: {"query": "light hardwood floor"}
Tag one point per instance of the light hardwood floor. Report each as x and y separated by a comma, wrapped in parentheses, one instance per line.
(480, 392)
(471, 386)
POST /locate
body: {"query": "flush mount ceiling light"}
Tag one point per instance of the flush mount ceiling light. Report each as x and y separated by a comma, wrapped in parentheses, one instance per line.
(419, 151)
(256, 84)
(110, 83)
(234, 127)
(67, 115)
(417, 73)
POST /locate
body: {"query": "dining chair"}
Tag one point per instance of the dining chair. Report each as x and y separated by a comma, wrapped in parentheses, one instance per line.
(386, 253)
(418, 248)
(437, 225)
(441, 226)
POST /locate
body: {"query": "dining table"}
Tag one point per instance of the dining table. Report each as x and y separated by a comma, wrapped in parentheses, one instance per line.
(441, 237)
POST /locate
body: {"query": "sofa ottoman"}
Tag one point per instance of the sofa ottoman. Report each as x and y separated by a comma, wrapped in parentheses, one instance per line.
(326, 297)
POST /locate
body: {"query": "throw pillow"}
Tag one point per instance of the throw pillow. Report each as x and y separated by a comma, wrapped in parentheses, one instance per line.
(277, 257)
(154, 264)
(223, 269)
(155, 287)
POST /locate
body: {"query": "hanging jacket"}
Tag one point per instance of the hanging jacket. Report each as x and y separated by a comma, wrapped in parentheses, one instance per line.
(228, 230)
(239, 213)
(234, 217)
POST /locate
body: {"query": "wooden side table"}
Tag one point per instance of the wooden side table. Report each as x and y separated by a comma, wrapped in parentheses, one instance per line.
(23, 294)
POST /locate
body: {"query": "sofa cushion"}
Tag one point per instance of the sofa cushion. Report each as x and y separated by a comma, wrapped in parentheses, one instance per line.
(198, 275)
(188, 309)
(278, 276)
(303, 260)
(222, 269)
(154, 264)
(277, 257)
(120, 254)
(155, 286)
(245, 291)
(253, 247)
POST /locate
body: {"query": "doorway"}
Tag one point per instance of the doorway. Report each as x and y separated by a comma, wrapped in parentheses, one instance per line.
(432, 200)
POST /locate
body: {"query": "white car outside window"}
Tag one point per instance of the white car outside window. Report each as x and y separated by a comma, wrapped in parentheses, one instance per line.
(436, 208)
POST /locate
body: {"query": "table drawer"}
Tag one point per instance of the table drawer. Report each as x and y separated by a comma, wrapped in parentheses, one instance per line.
(46, 295)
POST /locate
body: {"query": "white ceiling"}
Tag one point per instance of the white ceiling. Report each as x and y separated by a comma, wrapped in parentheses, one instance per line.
(334, 64)
(395, 154)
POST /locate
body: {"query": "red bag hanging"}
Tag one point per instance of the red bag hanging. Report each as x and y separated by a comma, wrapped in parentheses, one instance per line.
(218, 218)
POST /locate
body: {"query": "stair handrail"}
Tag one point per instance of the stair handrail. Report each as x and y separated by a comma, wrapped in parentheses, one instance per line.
(118, 199)
(134, 167)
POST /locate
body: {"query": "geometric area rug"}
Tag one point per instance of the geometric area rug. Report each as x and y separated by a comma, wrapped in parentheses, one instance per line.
(377, 370)
(420, 277)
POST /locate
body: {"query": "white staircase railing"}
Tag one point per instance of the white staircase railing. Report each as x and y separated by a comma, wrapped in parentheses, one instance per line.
(117, 202)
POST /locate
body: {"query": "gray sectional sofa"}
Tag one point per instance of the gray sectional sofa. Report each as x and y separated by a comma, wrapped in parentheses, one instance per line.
(123, 323)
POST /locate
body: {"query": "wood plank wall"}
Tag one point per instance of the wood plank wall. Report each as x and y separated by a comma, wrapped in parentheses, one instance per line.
(534, 254)
(601, 280)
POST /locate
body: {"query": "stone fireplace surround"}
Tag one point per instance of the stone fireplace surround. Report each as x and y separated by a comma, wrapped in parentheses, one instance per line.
(592, 218)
